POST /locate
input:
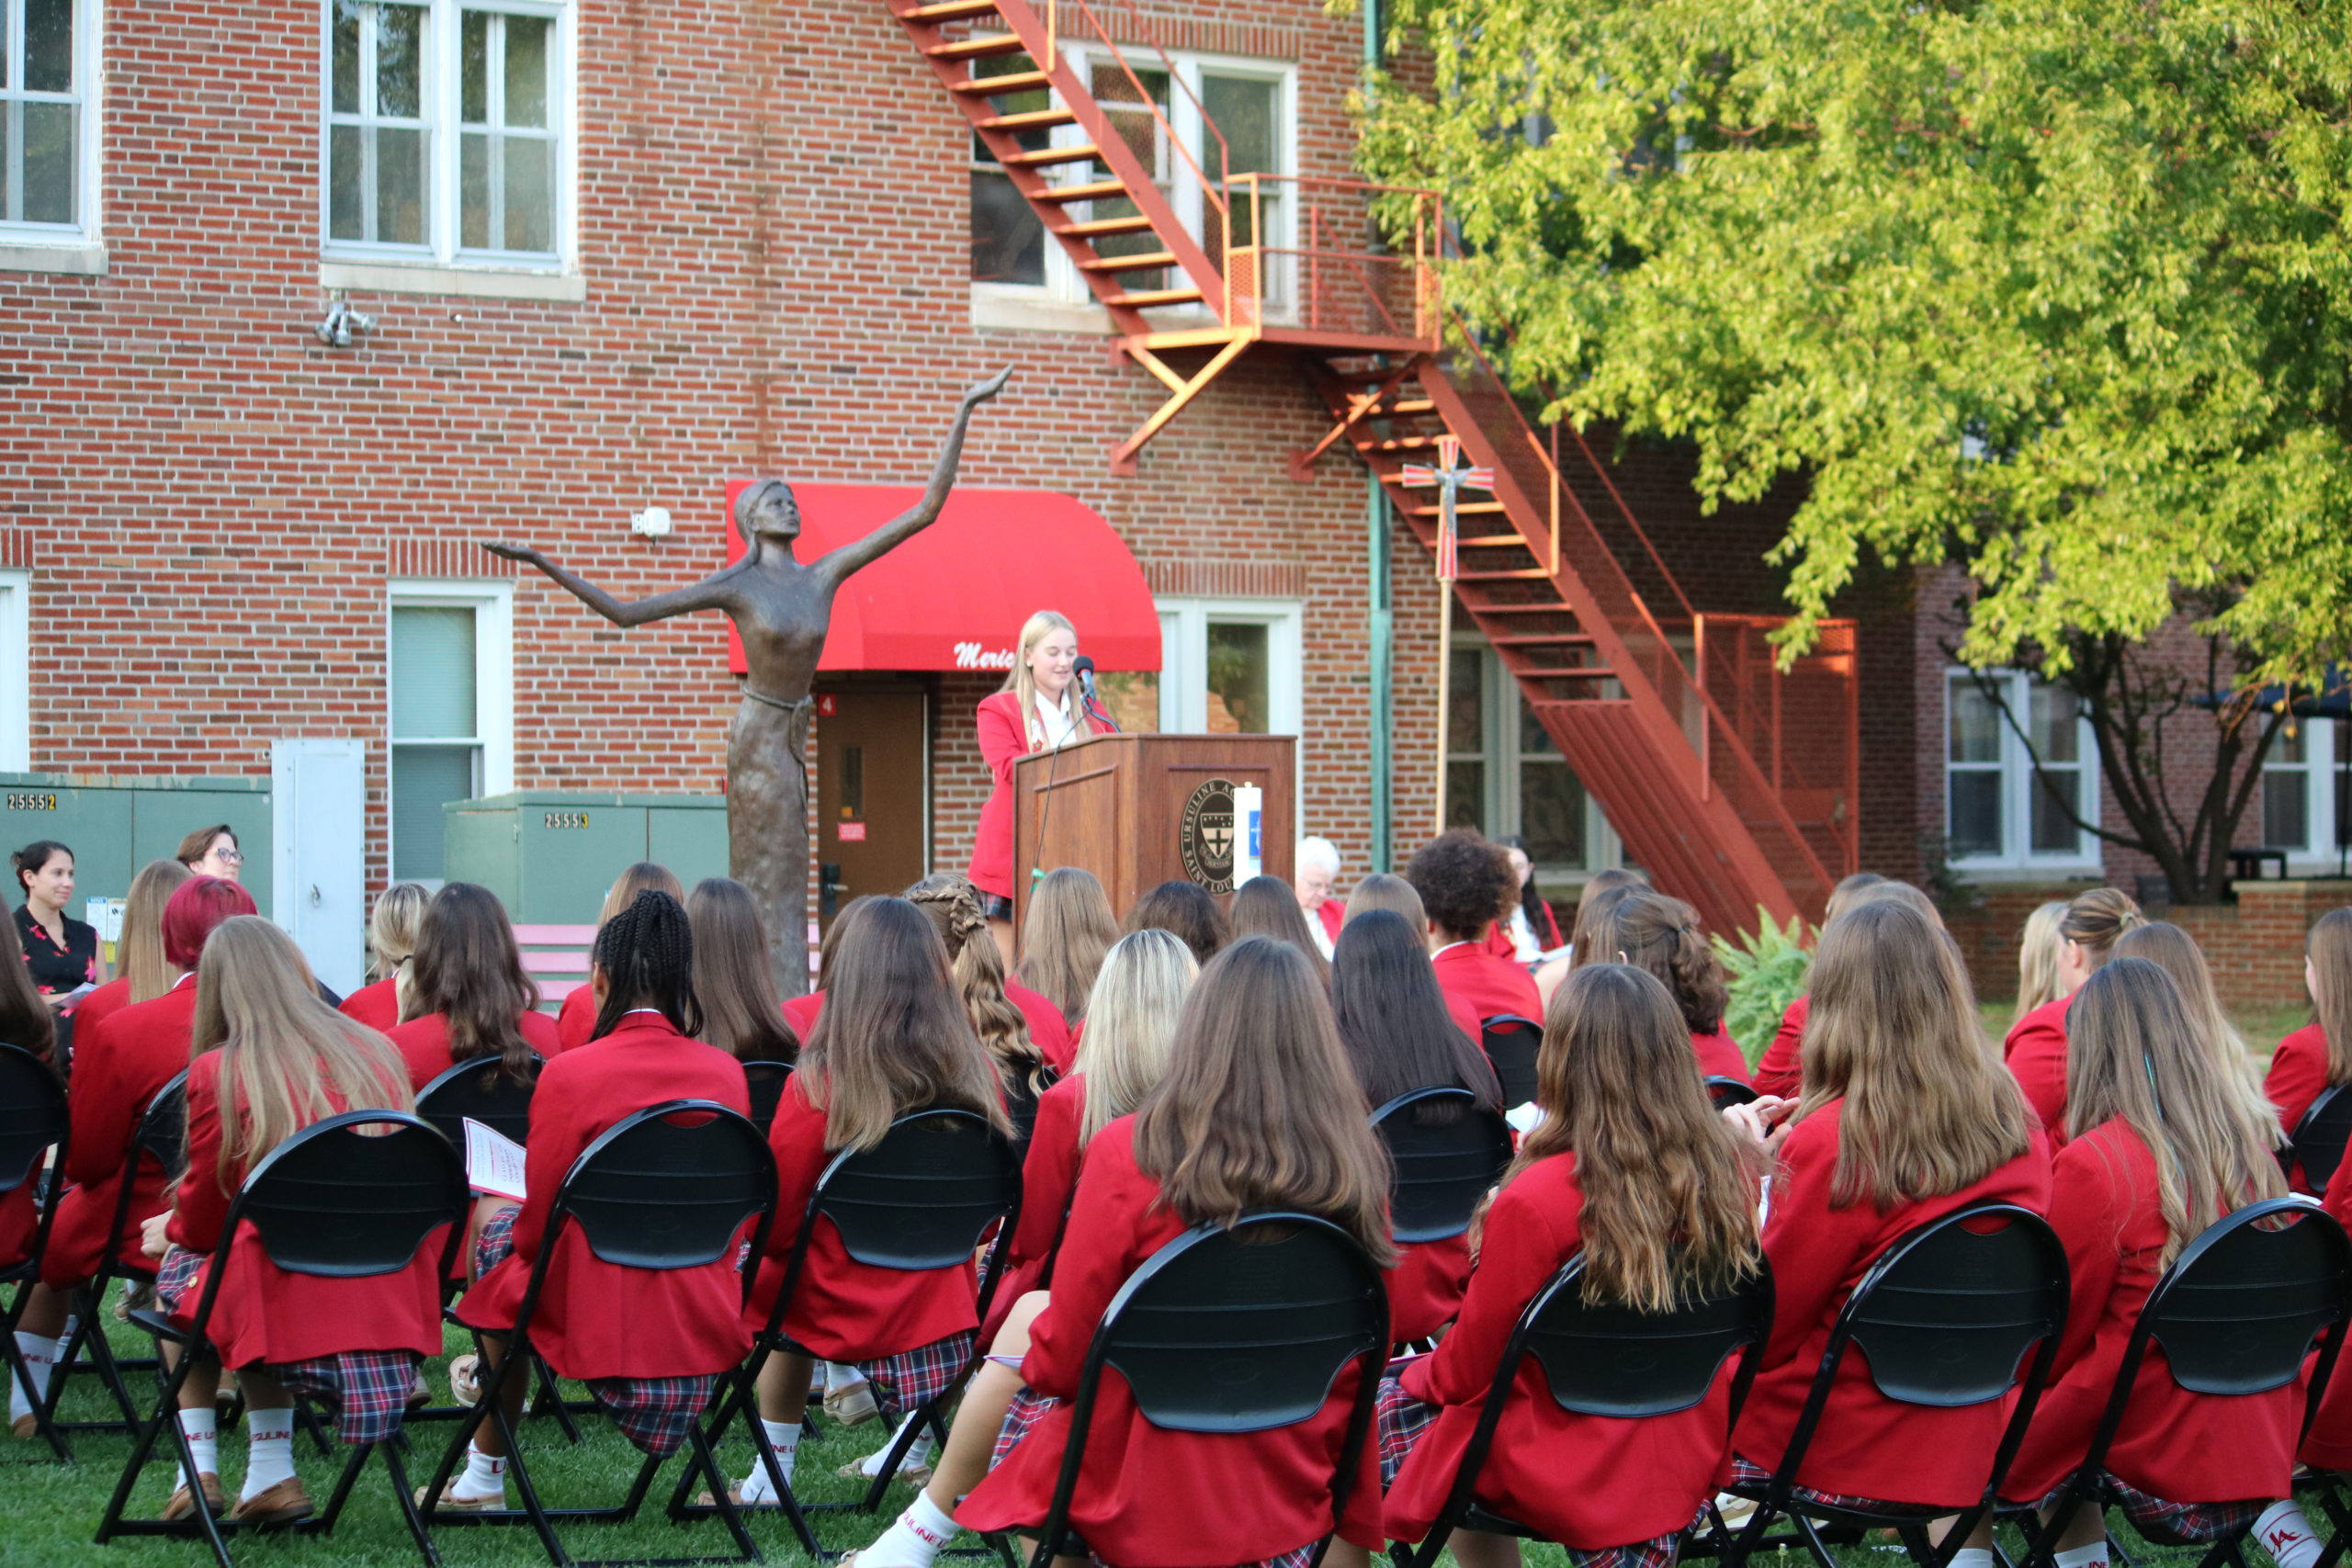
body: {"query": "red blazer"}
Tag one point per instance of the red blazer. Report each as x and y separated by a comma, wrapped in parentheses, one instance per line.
(118, 1067)
(844, 1310)
(575, 1016)
(1048, 1031)
(2298, 1076)
(598, 1319)
(2036, 1052)
(104, 1002)
(424, 1044)
(1333, 913)
(1004, 740)
(2174, 1444)
(1048, 1177)
(1867, 1445)
(2329, 1446)
(377, 1005)
(1541, 1467)
(1488, 987)
(265, 1314)
(1720, 1055)
(1780, 1071)
(1149, 1499)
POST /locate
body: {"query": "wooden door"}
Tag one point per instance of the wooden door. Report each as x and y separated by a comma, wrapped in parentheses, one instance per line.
(873, 793)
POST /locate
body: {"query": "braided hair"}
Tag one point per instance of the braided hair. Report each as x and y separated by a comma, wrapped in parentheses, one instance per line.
(953, 906)
(647, 953)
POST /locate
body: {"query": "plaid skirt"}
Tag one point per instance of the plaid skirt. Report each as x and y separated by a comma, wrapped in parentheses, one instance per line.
(495, 1241)
(1746, 1473)
(2173, 1524)
(912, 1379)
(174, 1274)
(653, 1413)
(366, 1391)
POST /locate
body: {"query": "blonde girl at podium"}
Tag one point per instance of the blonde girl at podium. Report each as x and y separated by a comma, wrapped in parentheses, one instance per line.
(1037, 710)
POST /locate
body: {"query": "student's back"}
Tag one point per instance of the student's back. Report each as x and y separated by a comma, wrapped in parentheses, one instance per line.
(469, 997)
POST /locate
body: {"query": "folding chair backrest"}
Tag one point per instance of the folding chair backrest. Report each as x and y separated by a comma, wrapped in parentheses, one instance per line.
(1445, 1152)
(355, 1194)
(766, 1081)
(1511, 1043)
(32, 1114)
(1726, 1092)
(671, 1185)
(163, 1127)
(480, 1090)
(2238, 1310)
(2321, 1135)
(923, 1196)
(1245, 1329)
(1947, 1314)
(1606, 1359)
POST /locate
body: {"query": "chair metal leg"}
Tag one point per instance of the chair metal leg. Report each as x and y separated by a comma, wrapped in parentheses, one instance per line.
(702, 1457)
(549, 1400)
(323, 1523)
(417, 1532)
(166, 1415)
(14, 1369)
(307, 1419)
(521, 1473)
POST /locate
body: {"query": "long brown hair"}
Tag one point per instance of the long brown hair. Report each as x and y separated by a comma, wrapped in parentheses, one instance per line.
(1392, 1017)
(1258, 1110)
(1267, 905)
(1661, 935)
(26, 1019)
(2133, 1054)
(953, 906)
(1131, 1024)
(1669, 1190)
(283, 1050)
(1070, 927)
(468, 969)
(1186, 909)
(2176, 952)
(1926, 1107)
(1600, 895)
(1385, 890)
(894, 1036)
(2329, 947)
(143, 964)
(2037, 945)
(740, 1014)
(2097, 919)
(640, 876)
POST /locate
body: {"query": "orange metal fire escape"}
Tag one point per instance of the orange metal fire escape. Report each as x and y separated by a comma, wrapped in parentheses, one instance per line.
(1733, 782)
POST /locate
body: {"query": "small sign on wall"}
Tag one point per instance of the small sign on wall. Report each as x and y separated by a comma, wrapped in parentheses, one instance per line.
(852, 833)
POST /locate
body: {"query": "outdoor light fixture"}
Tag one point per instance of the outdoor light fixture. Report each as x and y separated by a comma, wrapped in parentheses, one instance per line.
(653, 522)
(342, 326)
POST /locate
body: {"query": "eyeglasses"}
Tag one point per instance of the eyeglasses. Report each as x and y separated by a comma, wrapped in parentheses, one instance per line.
(229, 857)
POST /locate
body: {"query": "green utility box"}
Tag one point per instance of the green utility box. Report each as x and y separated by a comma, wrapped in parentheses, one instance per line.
(113, 825)
(550, 854)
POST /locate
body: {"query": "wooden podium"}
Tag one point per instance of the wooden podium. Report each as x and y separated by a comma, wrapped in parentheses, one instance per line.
(1138, 811)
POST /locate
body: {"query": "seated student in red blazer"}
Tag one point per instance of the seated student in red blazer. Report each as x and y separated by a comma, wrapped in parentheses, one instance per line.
(140, 971)
(894, 1039)
(1039, 709)
(271, 1058)
(2329, 1444)
(1392, 1022)
(1905, 1118)
(2036, 1047)
(734, 976)
(596, 1319)
(2318, 1055)
(575, 1019)
(2162, 1144)
(391, 935)
(1780, 1071)
(469, 997)
(26, 1022)
(1258, 1110)
(1631, 1119)
(118, 1065)
(1463, 880)
(1661, 935)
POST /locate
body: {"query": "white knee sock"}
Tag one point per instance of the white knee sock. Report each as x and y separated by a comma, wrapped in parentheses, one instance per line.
(269, 1450)
(484, 1476)
(918, 1451)
(784, 1441)
(40, 1354)
(2288, 1536)
(2091, 1556)
(1972, 1557)
(914, 1539)
(202, 1438)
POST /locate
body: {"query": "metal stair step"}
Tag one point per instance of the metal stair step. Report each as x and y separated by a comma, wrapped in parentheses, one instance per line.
(1542, 639)
(1048, 156)
(1032, 119)
(1130, 264)
(1523, 573)
(1152, 298)
(1092, 190)
(998, 86)
(1133, 223)
(1559, 609)
(986, 47)
(949, 11)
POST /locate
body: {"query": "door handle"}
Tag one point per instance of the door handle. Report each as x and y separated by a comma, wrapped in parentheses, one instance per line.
(828, 886)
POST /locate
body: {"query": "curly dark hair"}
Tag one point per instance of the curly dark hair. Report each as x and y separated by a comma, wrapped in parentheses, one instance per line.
(1464, 880)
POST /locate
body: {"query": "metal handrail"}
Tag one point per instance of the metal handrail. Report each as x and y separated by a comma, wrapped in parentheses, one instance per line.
(1224, 155)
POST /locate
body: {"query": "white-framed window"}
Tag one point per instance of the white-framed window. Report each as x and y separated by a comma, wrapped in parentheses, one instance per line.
(1231, 666)
(1504, 775)
(1998, 814)
(448, 674)
(2304, 788)
(49, 122)
(447, 137)
(16, 653)
(1252, 103)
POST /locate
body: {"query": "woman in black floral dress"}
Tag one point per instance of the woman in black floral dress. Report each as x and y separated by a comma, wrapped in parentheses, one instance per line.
(60, 953)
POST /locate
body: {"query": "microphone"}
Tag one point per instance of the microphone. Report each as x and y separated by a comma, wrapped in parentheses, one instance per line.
(1083, 669)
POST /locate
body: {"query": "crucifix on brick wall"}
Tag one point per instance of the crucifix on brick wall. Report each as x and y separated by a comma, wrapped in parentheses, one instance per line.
(1451, 481)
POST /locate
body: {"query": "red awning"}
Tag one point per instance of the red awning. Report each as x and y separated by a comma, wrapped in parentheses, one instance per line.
(954, 595)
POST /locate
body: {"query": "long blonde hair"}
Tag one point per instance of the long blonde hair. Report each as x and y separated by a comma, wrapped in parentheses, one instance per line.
(2328, 945)
(1023, 685)
(2038, 949)
(953, 906)
(284, 1052)
(1069, 928)
(1669, 1190)
(2176, 952)
(393, 925)
(2133, 1054)
(1927, 1108)
(1131, 1024)
(143, 964)
(2098, 919)
(642, 876)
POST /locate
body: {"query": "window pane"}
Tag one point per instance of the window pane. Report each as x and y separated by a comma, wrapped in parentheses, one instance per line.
(527, 74)
(2286, 810)
(400, 61)
(346, 56)
(1551, 814)
(2054, 832)
(424, 777)
(1465, 701)
(2056, 728)
(1131, 697)
(1238, 678)
(346, 217)
(400, 187)
(1535, 741)
(1975, 724)
(1248, 112)
(432, 672)
(49, 46)
(1973, 810)
(473, 69)
(473, 190)
(2287, 745)
(1466, 796)
(530, 193)
(49, 163)
(1008, 240)
(1036, 139)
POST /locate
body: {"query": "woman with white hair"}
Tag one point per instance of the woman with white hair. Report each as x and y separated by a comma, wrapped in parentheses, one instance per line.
(1317, 863)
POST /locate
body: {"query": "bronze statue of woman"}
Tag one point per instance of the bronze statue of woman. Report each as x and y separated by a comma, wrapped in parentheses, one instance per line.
(781, 609)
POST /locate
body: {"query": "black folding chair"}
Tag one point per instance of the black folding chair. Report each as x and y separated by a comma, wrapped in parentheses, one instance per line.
(1609, 1360)
(671, 1187)
(923, 1197)
(767, 1080)
(1511, 1043)
(1445, 1153)
(32, 1121)
(1944, 1319)
(2320, 1137)
(351, 1197)
(1279, 1303)
(1726, 1092)
(2235, 1315)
